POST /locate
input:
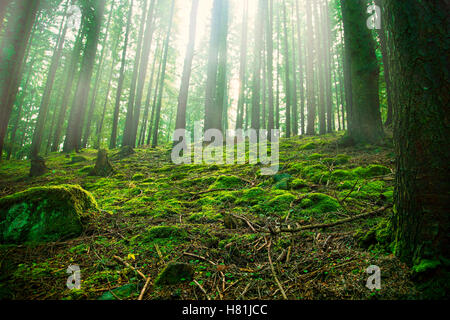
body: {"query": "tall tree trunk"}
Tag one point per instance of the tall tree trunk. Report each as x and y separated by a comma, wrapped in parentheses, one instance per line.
(70, 71)
(184, 90)
(221, 94)
(300, 63)
(211, 103)
(286, 66)
(113, 139)
(294, 80)
(16, 38)
(158, 51)
(365, 121)
(155, 99)
(320, 69)
(163, 76)
(98, 78)
(256, 87)
(387, 79)
(242, 68)
(43, 110)
(126, 141)
(421, 129)
(148, 37)
(269, 45)
(310, 129)
(77, 113)
(327, 61)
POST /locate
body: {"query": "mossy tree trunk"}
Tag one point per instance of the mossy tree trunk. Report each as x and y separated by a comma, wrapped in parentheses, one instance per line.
(364, 122)
(421, 129)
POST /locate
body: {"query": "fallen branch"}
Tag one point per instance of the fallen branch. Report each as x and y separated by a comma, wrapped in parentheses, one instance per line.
(274, 273)
(246, 221)
(201, 288)
(131, 267)
(332, 224)
(144, 289)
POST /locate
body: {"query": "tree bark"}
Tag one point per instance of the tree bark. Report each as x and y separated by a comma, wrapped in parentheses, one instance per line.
(16, 37)
(364, 116)
(421, 129)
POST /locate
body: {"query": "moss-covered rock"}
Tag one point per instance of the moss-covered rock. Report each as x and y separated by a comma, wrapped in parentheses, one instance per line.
(165, 232)
(282, 181)
(299, 184)
(319, 203)
(45, 214)
(373, 170)
(174, 273)
(380, 235)
(227, 182)
(251, 197)
(122, 292)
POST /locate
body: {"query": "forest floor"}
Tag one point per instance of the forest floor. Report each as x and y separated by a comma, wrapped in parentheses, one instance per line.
(221, 220)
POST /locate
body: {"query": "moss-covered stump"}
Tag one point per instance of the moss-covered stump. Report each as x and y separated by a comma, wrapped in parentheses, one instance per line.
(44, 214)
(173, 273)
(38, 167)
(102, 167)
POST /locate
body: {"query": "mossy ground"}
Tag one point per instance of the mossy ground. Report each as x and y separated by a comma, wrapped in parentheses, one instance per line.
(155, 212)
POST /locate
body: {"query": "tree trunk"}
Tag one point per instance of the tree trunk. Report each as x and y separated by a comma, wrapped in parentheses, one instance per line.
(148, 37)
(16, 37)
(184, 90)
(300, 63)
(242, 68)
(98, 78)
(421, 116)
(364, 116)
(113, 139)
(287, 80)
(387, 79)
(320, 69)
(77, 113)
(43, 110)
(310, 129)
(163, 75)
(126, 141)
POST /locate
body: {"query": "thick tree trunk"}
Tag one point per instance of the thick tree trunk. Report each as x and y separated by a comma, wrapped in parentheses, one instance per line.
(16, 37)
(300, 63)
(421, 131)
(365, 117)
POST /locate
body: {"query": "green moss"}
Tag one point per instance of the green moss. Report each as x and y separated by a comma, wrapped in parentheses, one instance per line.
(282, 181)
(44, 214)
(318, 203)
(251, 196)
(227, 182)
(373, 170)
(123, 292)
(174, 273)
(165, 232)
(315, 156)
(425, 265)
(341, 175)
(309, 146)
(138, 177)
(280, 202)
(299, 183)
(378, 236)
